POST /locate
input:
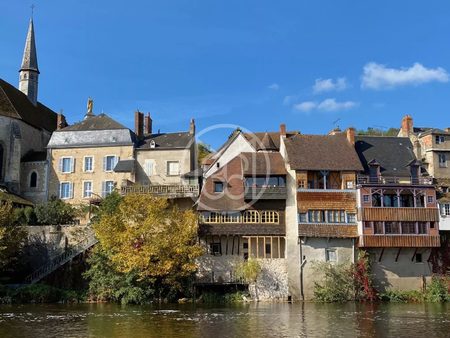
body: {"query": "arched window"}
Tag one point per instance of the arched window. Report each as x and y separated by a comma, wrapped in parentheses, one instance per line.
(33, 180)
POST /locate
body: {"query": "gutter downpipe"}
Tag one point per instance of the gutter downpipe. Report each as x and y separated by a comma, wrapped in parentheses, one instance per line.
(302, 264)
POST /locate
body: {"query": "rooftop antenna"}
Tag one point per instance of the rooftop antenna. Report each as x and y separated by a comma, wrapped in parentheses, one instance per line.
(335, 123)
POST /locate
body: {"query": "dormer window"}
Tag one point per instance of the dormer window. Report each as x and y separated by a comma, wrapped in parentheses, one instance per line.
(439, 139)
(152, 144)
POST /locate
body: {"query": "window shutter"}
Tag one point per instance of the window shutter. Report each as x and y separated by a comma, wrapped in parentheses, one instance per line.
(71, 190)
(72, 165)
(60, 190)
(103, 189)
(60, 165)
(104, 163)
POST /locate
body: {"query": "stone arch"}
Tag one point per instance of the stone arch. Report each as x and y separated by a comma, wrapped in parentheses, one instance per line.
(33, 180)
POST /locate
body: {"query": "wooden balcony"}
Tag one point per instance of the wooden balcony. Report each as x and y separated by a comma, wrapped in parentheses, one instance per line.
(265, 193)
(400, 214)
(399, 241)
(168, 191)
(328, 230)
(367, 180)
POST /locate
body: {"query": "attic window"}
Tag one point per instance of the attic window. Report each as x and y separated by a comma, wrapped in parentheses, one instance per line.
(152, 144)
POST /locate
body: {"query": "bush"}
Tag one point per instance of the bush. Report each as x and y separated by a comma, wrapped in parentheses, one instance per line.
(30, 215)
(401, 296)
(224, 298)
(248, 271)
(55, 212)
(39, 293)
(337, 283)
(437, 290)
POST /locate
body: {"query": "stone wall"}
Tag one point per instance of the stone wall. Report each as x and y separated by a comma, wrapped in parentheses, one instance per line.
(272, 283)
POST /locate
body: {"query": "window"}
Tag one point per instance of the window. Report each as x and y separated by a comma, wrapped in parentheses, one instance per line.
(231, 217)
(408, 228)
(351, 218)
(215, 249)
(330, 255)
(108, 187)
(422, 227)
(431, 225)
(152, 144)
(269, 217)
(65, 190)
(33, 180)
(173, 168)
(109, 162)
(301, 184)
(218, 187)
(268, 248)
(439, 139)
(149, 167)
(442, 161)
(418, 258)
(210, 217)
(251, 216)
(336, 216)
(302, 217)
(378, 228)
(392, 228)
(376, 200)
(445, 209)
(87, 189)
(367, 225)
(88, 164)
(316, 216)
(366, 198)
(349, 184)
(430, 199)
(66, 165)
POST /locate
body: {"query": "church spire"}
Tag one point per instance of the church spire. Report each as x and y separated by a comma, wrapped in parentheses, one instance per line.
(29, 71)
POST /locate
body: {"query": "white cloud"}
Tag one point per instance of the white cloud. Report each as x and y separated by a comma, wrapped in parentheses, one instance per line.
(306, 106)
(274, 86)
(327, 105)
(326, 85)
(377, 76)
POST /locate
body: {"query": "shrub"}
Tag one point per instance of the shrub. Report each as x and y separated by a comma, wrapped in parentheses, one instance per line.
(337, 284)
(55, 212)
(401, 296)
(248, 270)
(437, 290)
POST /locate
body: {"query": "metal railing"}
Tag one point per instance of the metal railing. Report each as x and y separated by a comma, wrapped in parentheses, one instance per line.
(62, 259)
(182, 190)
(365, 179)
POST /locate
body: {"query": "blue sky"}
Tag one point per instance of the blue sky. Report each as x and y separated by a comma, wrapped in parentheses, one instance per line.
(255, 64)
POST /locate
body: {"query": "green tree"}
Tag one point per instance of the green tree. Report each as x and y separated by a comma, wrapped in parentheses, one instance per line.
(12, 238)
(55, 212)
(148, 236)
(203, 150)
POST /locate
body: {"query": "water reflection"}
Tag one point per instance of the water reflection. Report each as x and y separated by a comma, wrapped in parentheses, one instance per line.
(246, 320)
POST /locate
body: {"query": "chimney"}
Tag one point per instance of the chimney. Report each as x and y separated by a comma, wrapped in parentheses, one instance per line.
(351, 135)
(282, 129)
(60, 121)
(407, 125)
(335, 131)
(148, 124)
(192, 127)
(139, 123)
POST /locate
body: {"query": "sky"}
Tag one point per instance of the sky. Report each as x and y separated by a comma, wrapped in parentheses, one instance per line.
(313, 65)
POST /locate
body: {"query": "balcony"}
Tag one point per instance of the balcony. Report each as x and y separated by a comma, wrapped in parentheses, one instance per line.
(168, 191)
(367, 180)
(265, 193)
(400, 214)
(398, 241)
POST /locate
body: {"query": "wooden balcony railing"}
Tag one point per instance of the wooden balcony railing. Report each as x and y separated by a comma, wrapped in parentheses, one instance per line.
(169, 191)
(400, 214)
(364, 179)
(399, 241)
(265, 193)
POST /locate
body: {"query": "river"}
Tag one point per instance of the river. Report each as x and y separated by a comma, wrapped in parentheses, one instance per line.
(246, 320)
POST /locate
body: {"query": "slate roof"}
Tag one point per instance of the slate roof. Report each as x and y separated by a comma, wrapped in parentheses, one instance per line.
(394, 154)
(29, 60)
(35, 156)
(264, 140)
(15, 104)
(262, 163)
(124, 166)
(321, 152)
(97, 122)
(167, 141)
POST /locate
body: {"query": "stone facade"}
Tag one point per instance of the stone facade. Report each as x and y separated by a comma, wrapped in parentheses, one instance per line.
(35, 193)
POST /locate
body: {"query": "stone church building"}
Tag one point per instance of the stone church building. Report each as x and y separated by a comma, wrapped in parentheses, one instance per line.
(26, 126)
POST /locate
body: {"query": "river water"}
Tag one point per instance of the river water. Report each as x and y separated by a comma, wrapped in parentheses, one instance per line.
(246, 320)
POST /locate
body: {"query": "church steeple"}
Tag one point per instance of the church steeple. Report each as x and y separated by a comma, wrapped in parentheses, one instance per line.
(29, 71)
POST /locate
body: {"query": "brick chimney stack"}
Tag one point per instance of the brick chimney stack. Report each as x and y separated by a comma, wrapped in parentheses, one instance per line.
(407, 125)
(282, 129)
(351, 135)
(148, 124)
(61, 121)
(139, 123)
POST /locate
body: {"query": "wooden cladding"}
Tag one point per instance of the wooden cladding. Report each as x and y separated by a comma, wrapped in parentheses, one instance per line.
(399, 241)
(400, 214)
(328, 230)
(321, 200)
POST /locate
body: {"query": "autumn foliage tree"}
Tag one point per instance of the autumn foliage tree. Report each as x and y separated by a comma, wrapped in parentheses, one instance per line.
(151, 238)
